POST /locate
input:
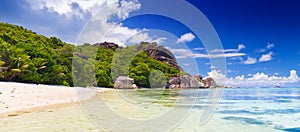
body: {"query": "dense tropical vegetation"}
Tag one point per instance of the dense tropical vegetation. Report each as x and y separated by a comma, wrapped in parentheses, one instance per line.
(31, 58)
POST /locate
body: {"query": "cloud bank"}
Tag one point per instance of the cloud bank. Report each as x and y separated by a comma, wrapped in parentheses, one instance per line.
(258, 79)
(104, 14)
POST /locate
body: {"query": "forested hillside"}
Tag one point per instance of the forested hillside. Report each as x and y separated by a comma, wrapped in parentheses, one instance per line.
(31, 58)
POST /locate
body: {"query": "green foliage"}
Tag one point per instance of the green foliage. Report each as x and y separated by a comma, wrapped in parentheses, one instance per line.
(146, 71)
(103, 67)
(142, 67)
(157, 79)
(31, 58)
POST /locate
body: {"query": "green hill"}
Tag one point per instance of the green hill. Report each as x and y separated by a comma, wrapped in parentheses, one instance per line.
(31, 58)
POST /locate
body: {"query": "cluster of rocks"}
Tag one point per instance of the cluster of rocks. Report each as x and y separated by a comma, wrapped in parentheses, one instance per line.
(185, 81)
(188, 81)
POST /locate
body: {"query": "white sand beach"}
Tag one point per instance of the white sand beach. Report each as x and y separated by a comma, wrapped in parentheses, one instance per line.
(18, 98)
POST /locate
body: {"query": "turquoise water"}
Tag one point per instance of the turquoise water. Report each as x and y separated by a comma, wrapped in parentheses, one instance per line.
(277, 108)
(247, 109)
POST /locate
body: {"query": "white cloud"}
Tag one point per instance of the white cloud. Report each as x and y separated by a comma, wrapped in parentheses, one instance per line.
(102, 25)
(199, 48)
(188, 37)
(226, 55)
(237, 58)
(69, 8)
(186, 64)
(258, 79)
(185, 53)
(293, 76)
(298, 65)
(240, 47)
(217, 76)
(240, 78)
(139, 36)
(250, 60)
(268, 47)
(266, 57)
(181, 53)
(223, 50)
(213, 67)
(262, 79)
(159, 40)
(178, 50)
(259, 76)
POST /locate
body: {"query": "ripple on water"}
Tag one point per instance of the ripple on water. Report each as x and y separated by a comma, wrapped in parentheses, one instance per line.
(245, 120)
(296, 129)
(265, 112)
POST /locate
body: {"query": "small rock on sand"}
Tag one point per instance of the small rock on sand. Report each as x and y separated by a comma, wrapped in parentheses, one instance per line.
(12, 91)
(13, 114)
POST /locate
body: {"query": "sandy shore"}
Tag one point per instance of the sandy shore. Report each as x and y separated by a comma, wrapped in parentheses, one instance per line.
(19, 98)
(55, 108)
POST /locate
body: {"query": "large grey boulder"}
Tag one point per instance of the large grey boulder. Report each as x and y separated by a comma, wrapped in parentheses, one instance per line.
(209, 82)
(175, 82)
(123, 82)
(195, 82)
(188, 81)
(185, 81)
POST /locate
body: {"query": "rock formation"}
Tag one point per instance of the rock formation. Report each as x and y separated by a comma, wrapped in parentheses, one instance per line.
(175, 81)
(109, 45)
(209, 82)
(124, 82)
(159, 53)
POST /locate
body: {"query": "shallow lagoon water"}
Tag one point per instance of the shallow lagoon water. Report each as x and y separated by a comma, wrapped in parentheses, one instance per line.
(277, 108)
(243, 109)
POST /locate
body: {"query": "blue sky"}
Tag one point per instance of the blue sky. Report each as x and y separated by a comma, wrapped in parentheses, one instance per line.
(260, 39)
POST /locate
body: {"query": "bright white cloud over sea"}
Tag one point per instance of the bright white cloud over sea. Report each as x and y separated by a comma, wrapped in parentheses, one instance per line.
(258, 79)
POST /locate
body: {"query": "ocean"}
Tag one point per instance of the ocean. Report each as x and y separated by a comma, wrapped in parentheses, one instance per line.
(275, 108)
